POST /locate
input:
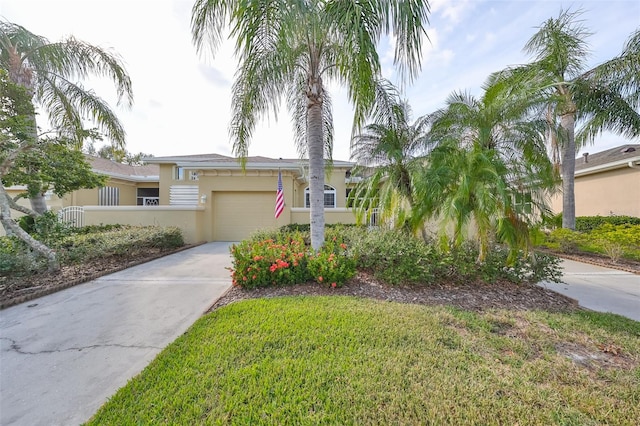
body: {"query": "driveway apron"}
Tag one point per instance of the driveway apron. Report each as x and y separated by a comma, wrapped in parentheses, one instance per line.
(600, 289)
(63, 355)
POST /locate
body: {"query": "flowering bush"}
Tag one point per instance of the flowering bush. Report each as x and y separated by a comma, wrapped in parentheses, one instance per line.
(332, 265)
(286, 259)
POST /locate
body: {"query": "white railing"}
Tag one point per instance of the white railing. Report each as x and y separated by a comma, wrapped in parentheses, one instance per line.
(72, 215)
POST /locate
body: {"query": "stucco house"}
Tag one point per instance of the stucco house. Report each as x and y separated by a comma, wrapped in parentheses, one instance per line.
(212, 198)
(607, 183)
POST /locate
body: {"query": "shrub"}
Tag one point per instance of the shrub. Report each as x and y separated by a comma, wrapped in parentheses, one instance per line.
(287, 259)
(393, 256)
(120, 241)
(16, 259)
(590, 223)
(615, 241)
(333, 265)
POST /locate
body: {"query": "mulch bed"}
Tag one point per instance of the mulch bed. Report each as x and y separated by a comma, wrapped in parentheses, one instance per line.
(476, 296)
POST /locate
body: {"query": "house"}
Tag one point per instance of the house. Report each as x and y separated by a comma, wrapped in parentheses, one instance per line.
(212, 198)
(127, 185)
(607, 183)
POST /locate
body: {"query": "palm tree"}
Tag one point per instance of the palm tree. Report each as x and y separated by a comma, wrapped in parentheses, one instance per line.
(488, 169)
(606, 97)
(392, 147)
(291, 49)
(50, 73)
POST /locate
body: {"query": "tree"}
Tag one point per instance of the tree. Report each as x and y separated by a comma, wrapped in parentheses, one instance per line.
(606, 97)
(291, 49)
(16, 131)
(488, 169)
(393, 147)
(50, 73)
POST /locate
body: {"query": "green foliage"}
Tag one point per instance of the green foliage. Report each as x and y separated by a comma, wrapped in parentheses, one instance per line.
(79, 245)
(46, 228)
(16, 259)
(53, 164)
(394, 256)
(125, 241)
(614, 241)
(287, 259)
(333, 264)
(590, 223)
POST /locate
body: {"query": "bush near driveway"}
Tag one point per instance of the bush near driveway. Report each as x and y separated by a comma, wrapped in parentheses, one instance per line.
(614, 241)
(78, 245)
(284, 257)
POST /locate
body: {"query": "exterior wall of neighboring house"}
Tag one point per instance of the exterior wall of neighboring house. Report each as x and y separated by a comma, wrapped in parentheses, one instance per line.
(606, 183)
(609, 192)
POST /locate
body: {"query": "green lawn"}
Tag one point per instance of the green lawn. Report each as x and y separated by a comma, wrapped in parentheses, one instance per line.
(342, 360)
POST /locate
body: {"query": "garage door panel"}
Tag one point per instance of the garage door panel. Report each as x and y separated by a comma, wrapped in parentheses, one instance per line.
(237, 214)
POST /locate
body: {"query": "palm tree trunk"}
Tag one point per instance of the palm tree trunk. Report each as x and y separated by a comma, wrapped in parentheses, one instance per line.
(316, 169)
(567, 122)
(13, 228)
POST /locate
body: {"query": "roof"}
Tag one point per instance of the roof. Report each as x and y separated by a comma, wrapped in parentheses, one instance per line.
(618, 157)
(124, 171)
(213, 161)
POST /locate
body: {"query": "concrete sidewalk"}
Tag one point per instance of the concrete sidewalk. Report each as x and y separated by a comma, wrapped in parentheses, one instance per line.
(63, 355)
(600, 289)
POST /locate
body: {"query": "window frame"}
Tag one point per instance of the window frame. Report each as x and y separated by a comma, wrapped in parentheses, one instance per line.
(328, 190)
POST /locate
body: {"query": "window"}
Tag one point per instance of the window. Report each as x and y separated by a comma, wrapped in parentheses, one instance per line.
(193, 175)
(523, 203)
(329, 197)
(178, 173)
(109, 196)
(148, 196)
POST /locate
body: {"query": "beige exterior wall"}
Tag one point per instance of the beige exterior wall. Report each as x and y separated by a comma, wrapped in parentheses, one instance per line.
(331, 216)
(188, 219)
(89, 197)
(602, 194)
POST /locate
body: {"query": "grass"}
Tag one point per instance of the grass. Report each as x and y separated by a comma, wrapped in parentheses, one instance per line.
(343, 360)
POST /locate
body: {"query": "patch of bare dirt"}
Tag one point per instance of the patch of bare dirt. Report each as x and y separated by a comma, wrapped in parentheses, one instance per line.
(596, 357)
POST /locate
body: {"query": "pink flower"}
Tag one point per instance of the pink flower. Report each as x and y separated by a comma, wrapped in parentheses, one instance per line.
(333, 285)
(344, 246)
(253, 277)
(320, 279)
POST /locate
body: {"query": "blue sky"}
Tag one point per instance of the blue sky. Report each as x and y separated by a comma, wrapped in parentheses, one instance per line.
(182, 99)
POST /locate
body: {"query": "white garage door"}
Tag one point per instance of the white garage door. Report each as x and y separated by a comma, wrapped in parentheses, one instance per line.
(237, 214)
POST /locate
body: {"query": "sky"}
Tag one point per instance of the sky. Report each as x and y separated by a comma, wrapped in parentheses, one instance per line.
(182, 98)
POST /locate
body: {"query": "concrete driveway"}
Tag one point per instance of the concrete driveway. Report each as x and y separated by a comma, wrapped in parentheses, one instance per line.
(600, 289)
(63, 355)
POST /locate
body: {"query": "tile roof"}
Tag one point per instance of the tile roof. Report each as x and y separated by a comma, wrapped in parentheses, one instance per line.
(612, 155)
(108, 167)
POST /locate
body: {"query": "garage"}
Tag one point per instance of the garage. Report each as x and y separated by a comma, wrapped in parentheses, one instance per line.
(237, 214)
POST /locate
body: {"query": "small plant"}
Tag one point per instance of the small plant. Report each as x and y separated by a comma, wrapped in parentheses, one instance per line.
(332, 265)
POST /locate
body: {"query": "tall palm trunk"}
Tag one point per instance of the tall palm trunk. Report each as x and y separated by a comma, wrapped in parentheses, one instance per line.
(315, 143)
(567, 122)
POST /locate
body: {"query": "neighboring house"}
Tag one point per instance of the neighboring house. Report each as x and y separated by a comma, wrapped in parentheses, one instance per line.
(607, 183)
(127, 186)
(211, 198)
